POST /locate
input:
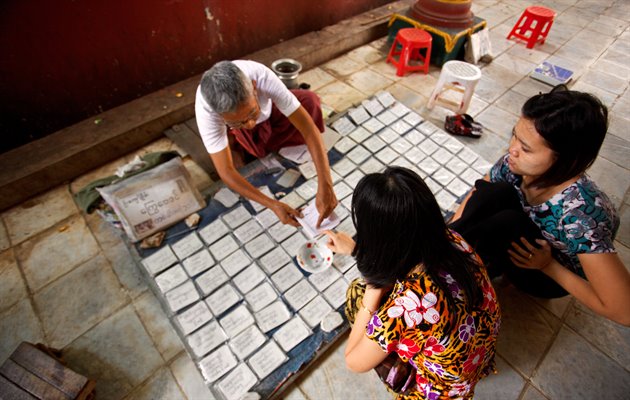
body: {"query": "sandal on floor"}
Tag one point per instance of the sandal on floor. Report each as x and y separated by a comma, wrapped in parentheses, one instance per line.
(463, 125)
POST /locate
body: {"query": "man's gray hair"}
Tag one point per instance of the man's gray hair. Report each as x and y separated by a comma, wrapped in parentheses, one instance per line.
(225, 87)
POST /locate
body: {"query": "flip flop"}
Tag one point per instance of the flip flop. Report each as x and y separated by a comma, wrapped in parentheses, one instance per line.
(463, 125)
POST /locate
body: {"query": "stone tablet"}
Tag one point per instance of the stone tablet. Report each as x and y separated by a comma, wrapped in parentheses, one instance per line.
(182, 296)
(344, 145)
(214, 231)
(194, 317)
(210, 280)
(236, 384)
(281, 231)
(358, 115)
(267, 359)
(259, 246)
(160, 260)
(343, 126)
(325, 278)
(226, 197)
(458, 187)
(386, 155)
(360, 134)
(274, 260)
(222, 299)
(266, 218)
(286, 277)
(236, 321)
(246, 342)
(197, 263)
(236, 217)
(235, 262)
(249, 278)
(187, 246)
(335, 294)
(248, 231)
(292, 244)
(300, 294)
(206, 339)
(171, 278)
(261, 296)
(272, 316)
(374, 144)
(373, 106)
(217, 364)
(223, 247)
(387, 117)
(292, 333)
(314, 312)
(388, 135)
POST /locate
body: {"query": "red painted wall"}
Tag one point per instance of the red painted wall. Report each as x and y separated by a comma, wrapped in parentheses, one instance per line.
(62, 61)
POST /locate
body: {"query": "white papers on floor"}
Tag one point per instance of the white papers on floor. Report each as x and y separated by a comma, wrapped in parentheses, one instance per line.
(298, 154)
(226, 197)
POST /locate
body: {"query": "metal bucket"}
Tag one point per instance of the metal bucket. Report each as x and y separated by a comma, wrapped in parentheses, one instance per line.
(287, 70)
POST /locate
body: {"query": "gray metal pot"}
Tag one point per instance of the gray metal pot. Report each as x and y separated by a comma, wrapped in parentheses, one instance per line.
(287, 70)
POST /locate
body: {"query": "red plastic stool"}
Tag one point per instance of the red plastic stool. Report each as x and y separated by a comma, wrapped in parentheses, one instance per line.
(411, 40)
(541, 18)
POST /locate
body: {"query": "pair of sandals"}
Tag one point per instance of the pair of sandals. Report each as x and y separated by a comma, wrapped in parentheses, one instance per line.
(463, 125)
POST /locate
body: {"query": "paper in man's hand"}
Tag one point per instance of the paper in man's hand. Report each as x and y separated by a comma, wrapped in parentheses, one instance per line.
(310, 217)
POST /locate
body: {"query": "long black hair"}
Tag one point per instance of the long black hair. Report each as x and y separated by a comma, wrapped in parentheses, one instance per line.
(573, 125)
(399, 226)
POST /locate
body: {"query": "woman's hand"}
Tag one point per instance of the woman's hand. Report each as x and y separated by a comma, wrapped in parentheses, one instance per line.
(529, 256)
(340, 242)
(286, 214)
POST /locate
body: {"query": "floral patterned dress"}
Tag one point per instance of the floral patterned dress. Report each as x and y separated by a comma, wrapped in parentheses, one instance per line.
(450, 349)
(581, 219)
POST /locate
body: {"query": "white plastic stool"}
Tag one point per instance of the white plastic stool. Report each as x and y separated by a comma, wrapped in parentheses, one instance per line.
(459, 76)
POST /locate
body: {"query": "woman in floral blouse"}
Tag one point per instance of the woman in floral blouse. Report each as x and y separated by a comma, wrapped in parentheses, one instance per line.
(539, 219)
(428, 315)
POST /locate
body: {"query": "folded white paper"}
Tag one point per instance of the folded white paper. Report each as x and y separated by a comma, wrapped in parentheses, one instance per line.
(310, 216)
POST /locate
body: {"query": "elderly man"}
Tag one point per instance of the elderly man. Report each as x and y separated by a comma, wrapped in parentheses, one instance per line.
(243, 104)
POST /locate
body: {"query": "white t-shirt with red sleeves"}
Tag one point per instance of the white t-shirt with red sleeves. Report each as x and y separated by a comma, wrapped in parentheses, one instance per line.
(270, 89)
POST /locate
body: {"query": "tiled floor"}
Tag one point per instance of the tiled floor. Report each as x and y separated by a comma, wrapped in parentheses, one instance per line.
(67, 280)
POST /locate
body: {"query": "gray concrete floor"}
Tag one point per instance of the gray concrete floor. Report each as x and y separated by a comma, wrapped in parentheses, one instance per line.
(68, 280)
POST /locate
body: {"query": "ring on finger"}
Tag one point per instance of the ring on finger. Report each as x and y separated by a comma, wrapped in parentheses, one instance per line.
(529, 257)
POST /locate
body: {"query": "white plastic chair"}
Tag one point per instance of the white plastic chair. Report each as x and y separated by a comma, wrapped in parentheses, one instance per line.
(455, 76)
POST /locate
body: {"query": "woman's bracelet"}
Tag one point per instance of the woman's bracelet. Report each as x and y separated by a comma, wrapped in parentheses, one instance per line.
(366, 309)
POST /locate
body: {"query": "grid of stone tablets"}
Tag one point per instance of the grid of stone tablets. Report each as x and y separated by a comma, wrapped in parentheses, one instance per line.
(234, 281)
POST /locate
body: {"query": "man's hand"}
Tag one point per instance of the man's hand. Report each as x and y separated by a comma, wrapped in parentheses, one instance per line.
(526, 255)
(340, 242)
(286, 214)
(325, 201)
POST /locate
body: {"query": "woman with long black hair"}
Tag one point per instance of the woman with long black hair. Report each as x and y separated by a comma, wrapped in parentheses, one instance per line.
(426, 307)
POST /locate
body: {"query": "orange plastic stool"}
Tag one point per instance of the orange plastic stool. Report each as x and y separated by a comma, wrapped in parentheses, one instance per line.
(411, 40)
(536, 20)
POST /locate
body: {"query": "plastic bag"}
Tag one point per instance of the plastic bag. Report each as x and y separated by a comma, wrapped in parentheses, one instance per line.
(153, 200)
(478, 47)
